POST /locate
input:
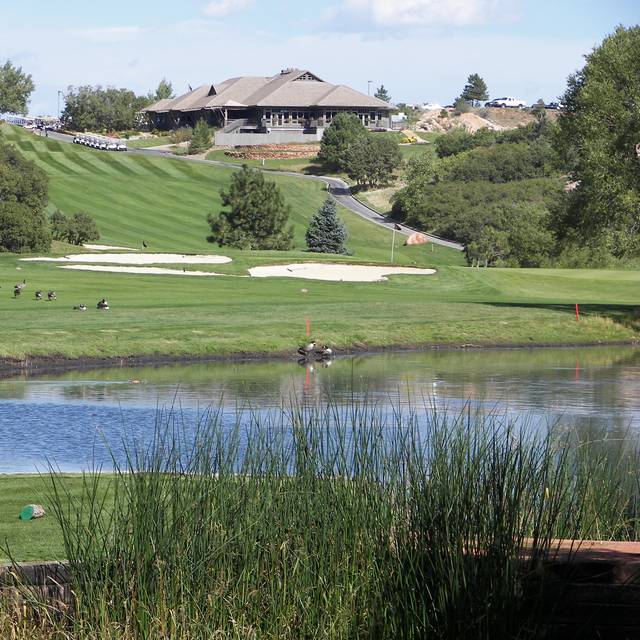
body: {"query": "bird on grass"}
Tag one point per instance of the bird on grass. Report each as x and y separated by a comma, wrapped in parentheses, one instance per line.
(144, 244)
(38, 295)
(16, 291)
(103, 305)
(307, 349)
(80, 307)
(51, 296)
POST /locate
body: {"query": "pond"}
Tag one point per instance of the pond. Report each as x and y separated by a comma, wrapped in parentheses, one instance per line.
(79, 418)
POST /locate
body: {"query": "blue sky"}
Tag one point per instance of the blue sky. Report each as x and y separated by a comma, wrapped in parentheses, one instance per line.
(421, 50)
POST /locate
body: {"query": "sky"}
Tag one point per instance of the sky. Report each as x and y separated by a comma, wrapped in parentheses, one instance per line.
(420, 50)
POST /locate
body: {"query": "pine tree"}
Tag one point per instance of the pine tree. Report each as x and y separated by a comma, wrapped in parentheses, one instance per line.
(475, 90)
(201, 139)
(326, 233)
(258, 215)
(382, 94)
(164, 91)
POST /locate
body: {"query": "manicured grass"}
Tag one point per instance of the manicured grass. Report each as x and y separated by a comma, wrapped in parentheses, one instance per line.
(145, 143)
(34, 539)
(165, 202)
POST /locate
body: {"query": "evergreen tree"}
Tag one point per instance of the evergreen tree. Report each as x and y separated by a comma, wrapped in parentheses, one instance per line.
(382, 94)
(163, 92)
(326, 233)
(201, 138)
(475, 90)
(16, 88)
(258, 215)
(345, 129)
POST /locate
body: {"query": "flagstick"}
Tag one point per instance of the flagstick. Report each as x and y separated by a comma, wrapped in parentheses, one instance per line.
(393, 243)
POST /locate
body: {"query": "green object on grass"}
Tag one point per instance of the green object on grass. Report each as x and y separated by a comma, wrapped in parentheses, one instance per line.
(27, 512)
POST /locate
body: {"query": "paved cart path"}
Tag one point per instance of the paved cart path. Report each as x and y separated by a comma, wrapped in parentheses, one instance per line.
(337, 187)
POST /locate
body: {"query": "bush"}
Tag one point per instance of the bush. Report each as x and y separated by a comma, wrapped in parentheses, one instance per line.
(326, 233)
(184, 134)
(501, 163)
(462, 211)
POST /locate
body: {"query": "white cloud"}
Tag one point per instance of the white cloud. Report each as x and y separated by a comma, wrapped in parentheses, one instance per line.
(221, 8)
(418, 13)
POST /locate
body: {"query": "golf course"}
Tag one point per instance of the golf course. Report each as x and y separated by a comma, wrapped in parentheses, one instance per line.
(163, 203)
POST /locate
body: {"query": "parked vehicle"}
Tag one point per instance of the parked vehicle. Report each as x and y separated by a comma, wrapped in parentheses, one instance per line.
(506, 102)
(554, 105)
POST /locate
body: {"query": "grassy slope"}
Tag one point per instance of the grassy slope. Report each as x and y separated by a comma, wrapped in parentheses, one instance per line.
(165, 202)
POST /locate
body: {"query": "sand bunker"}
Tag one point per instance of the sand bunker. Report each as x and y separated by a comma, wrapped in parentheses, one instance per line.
(107, 247)
(335, 272)
(153, 271)
(135, 258)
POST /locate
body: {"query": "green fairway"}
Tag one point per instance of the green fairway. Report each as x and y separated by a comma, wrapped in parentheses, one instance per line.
(165, 202)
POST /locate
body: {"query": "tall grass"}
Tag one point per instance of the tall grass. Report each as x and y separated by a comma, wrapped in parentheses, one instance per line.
(333, 523)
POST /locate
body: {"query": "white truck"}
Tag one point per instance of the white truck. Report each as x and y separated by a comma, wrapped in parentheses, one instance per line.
(506, 102)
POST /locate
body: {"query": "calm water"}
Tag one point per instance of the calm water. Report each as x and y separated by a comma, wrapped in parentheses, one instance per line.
(67, 418)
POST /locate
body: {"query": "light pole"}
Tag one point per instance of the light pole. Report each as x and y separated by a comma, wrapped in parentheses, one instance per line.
(59, 94)
(369, 87)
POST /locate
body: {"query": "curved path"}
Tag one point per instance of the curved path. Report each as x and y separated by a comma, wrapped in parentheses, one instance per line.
(337, 187)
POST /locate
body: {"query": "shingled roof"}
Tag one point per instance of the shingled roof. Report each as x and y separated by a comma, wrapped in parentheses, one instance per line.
(289, 88)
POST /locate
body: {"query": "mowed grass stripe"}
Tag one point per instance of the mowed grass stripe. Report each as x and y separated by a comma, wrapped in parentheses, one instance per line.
(154, 168)
(47, 160)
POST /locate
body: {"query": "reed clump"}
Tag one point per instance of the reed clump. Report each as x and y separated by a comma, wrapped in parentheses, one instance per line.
(333, 523)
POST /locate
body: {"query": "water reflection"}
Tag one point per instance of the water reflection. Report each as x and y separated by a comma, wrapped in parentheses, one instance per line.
(67, 417)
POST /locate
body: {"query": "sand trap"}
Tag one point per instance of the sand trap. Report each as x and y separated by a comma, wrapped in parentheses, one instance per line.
(135, 258)
(152, 271)
(107, 247)
(335, 272)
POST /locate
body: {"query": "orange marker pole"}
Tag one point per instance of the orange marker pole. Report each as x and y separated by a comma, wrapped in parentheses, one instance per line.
(308, 327)
(577, 312)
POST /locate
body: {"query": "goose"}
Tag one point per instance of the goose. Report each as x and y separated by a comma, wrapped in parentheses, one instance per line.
(20, 285)
(81, 307)
(307, 349)
(16, 291)
(51, 295)
(103, 305)
(38, 295)
(324, 351)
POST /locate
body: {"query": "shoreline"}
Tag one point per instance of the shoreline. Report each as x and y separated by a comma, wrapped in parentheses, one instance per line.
(36, 365)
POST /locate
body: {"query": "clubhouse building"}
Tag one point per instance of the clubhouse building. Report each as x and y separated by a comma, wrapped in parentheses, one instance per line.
(292, 106)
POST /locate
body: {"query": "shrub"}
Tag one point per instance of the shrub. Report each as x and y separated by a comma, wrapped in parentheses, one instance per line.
(201, 138)
(22, 229)
(78, 229)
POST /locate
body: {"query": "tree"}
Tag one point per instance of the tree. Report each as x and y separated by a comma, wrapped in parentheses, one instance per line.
(22, 229)
(475, 90)
(59, 225)
(599, 130)
(326, 233)
(21, 180)
(95, 108)
(345, 129)
(258, 214)
(371, 160)
(16, 88)
(382, 94)
(82, 228)
(201, 138)
(163, 92)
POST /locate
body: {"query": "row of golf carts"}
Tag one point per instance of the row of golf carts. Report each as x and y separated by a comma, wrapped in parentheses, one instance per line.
(100, 142)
